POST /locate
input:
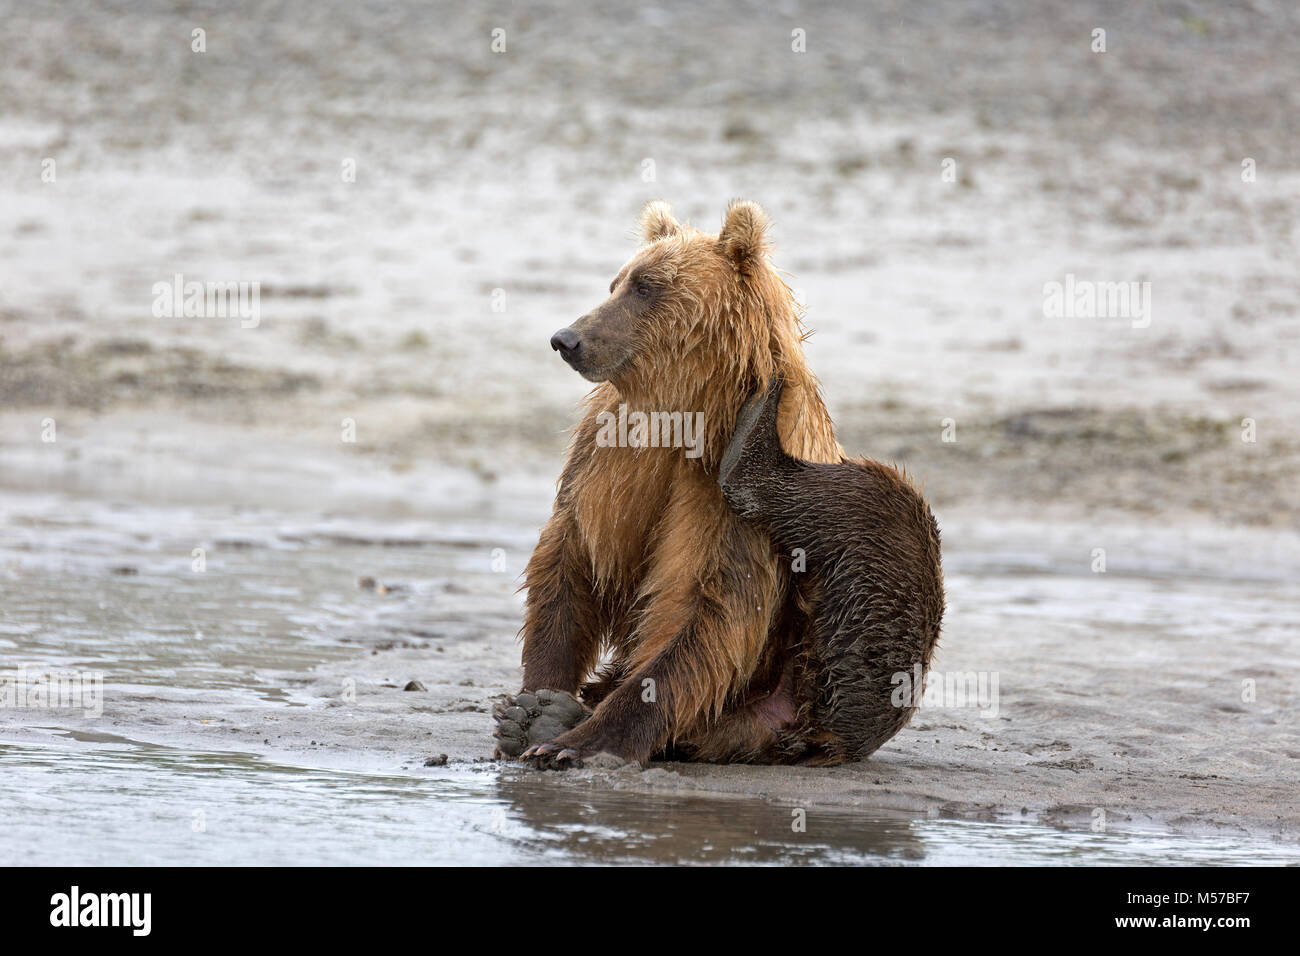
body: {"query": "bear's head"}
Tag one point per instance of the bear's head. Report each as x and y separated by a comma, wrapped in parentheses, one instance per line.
(691, 313)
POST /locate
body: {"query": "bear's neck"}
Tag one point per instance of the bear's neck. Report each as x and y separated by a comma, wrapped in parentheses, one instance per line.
(712, 393)
(704, 413)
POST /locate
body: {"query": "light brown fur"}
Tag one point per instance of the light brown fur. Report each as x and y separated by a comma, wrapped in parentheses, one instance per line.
(642, 558)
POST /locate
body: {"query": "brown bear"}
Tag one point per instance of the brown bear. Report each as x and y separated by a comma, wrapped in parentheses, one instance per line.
(759, 618)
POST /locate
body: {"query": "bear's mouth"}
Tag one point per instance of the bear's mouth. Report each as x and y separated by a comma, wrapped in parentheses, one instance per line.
(578, 355)
(593, 375)
(576, 361)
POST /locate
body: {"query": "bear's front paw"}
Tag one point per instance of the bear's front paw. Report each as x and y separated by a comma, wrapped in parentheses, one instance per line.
(552, 756)
(577, 748)
(530, 719)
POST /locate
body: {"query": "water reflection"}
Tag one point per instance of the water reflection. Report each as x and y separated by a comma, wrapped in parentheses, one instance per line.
(603, 826)
(99, 799)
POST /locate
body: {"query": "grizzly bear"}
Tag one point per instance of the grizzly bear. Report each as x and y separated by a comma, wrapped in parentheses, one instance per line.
(754, 595)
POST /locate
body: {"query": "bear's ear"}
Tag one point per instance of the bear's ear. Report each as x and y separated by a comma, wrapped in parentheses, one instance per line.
(657, 221)
(743, 239)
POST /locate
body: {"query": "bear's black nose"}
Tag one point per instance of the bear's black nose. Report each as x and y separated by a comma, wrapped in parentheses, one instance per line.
(566, 342)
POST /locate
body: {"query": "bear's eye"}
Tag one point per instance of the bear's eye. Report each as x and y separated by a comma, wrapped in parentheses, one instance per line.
(642, 289)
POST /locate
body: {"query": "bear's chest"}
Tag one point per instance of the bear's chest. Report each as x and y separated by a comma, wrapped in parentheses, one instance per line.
(620, 500)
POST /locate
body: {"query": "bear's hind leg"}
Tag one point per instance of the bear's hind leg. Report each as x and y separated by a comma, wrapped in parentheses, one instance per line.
(754, 466)
(874, 578)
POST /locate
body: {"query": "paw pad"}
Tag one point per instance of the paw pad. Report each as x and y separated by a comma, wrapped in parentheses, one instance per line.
(533, 718)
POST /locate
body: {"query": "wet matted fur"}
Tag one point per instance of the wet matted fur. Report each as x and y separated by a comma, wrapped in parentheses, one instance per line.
(717, 650)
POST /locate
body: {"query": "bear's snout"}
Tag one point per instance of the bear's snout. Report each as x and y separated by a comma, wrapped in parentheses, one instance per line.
(567, 343)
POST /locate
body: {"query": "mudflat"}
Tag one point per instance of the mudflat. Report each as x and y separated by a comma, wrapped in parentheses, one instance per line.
(1116, 494)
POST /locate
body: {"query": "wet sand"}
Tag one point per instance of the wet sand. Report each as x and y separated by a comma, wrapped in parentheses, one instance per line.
(1121, 693)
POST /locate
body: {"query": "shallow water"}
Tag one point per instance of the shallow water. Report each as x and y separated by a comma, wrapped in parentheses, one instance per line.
(117, 802)
(104, 587)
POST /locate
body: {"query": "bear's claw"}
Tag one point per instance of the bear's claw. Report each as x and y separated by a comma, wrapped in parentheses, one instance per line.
(552, 757)
(533, 719)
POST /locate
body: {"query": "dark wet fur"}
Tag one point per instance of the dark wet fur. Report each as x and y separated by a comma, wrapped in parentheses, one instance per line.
(873, 586)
